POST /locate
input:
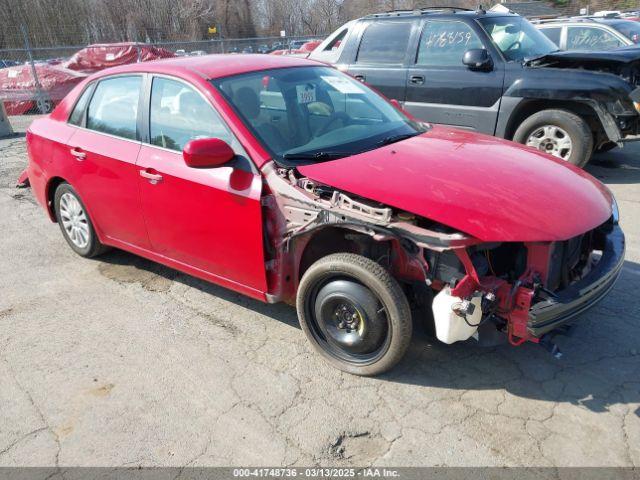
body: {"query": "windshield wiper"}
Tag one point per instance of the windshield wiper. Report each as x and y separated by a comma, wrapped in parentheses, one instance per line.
(329, 155)
(396, 138)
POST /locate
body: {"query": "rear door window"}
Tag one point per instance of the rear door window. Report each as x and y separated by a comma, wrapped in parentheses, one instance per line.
(443, 43)
(384, 43)
(591, 38)
(114, 107)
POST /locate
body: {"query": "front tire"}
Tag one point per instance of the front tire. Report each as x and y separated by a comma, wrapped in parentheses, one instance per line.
(75, 223)
(560, 133)
(354, 314)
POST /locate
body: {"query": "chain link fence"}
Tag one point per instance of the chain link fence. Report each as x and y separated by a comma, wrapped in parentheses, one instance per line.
(33, 80)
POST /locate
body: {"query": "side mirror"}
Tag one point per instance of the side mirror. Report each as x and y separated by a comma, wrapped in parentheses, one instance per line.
(207, 153)
(477, 59)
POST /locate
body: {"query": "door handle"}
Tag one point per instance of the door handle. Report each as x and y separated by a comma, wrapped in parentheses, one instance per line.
(79, 154)
(416, 80)
(151, 175)
(360, 78)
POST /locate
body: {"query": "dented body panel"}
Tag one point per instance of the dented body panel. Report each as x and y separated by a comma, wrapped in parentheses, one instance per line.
(444, 175)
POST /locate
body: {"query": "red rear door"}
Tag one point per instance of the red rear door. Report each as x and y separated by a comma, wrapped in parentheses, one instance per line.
(104, 155)
(207, 218)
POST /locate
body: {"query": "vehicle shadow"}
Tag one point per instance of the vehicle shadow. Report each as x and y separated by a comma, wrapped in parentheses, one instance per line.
(620, 165)
(140, 270)
(600, 365)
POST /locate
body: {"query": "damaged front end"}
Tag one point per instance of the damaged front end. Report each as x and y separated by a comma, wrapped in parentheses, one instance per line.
(528, 290)
(617, 105)
(515, 291)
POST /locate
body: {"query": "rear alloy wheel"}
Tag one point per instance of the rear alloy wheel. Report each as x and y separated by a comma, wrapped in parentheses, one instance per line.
(75, 223)
(560, 133)
(354, 313)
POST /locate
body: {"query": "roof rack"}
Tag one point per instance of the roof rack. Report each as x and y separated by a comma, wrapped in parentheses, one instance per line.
(435, 7)
(421, 11)
(581, 18)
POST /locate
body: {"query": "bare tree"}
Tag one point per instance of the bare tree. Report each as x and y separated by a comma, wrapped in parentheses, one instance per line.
(78, 22)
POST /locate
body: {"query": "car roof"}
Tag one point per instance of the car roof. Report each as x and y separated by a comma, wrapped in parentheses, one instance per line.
(582, 20)
(212, 66)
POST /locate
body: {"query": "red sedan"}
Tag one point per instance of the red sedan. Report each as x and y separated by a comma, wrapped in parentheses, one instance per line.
(286, 180)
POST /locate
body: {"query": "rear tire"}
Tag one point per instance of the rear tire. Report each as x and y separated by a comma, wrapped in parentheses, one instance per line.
(354, 314)
(75, 224)
(560, 133)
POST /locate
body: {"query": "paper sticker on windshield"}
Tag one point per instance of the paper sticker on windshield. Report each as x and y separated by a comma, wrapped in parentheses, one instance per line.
(306, 93)
(343, 85)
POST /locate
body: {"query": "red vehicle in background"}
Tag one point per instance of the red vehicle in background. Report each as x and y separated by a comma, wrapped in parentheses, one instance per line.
(23, 92)
(19, 91)
(303, 51)
(100, 56)
(289, 181)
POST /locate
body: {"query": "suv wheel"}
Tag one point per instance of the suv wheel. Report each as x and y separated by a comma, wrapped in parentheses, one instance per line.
(354, 313)
(75, 223)
(560, 133)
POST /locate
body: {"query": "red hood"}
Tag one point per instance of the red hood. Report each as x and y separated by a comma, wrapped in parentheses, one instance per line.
(486, 187)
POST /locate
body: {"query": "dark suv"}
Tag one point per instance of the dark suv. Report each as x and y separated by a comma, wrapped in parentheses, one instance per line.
(493, 73)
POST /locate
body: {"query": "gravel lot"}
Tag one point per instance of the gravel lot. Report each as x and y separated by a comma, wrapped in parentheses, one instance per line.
(118, 361)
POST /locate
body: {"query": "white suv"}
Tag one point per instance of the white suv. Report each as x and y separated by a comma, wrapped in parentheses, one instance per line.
(591, 33)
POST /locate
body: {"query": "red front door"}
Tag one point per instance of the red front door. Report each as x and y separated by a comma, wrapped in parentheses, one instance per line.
(209, 218)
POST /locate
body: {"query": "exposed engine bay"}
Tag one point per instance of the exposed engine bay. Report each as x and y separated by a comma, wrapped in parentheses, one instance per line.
(467, 287)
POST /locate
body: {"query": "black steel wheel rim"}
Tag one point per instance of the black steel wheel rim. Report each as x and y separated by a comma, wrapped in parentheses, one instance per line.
(344, 327)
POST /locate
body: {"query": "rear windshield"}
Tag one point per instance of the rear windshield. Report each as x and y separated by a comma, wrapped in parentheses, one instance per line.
(629, 29)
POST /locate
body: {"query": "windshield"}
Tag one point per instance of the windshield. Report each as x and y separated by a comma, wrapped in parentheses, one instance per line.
(516, 38)
(309, 114)
(629, 29)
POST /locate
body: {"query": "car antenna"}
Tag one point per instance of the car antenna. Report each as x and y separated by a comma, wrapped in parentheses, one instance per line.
(480, 10)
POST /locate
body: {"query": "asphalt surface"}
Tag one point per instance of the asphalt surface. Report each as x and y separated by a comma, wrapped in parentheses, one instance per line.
(117, 361)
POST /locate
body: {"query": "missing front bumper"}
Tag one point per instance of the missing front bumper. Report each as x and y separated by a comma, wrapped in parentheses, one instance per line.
(552, 313)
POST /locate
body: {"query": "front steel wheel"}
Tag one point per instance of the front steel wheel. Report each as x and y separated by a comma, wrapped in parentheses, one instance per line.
(354, 314)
